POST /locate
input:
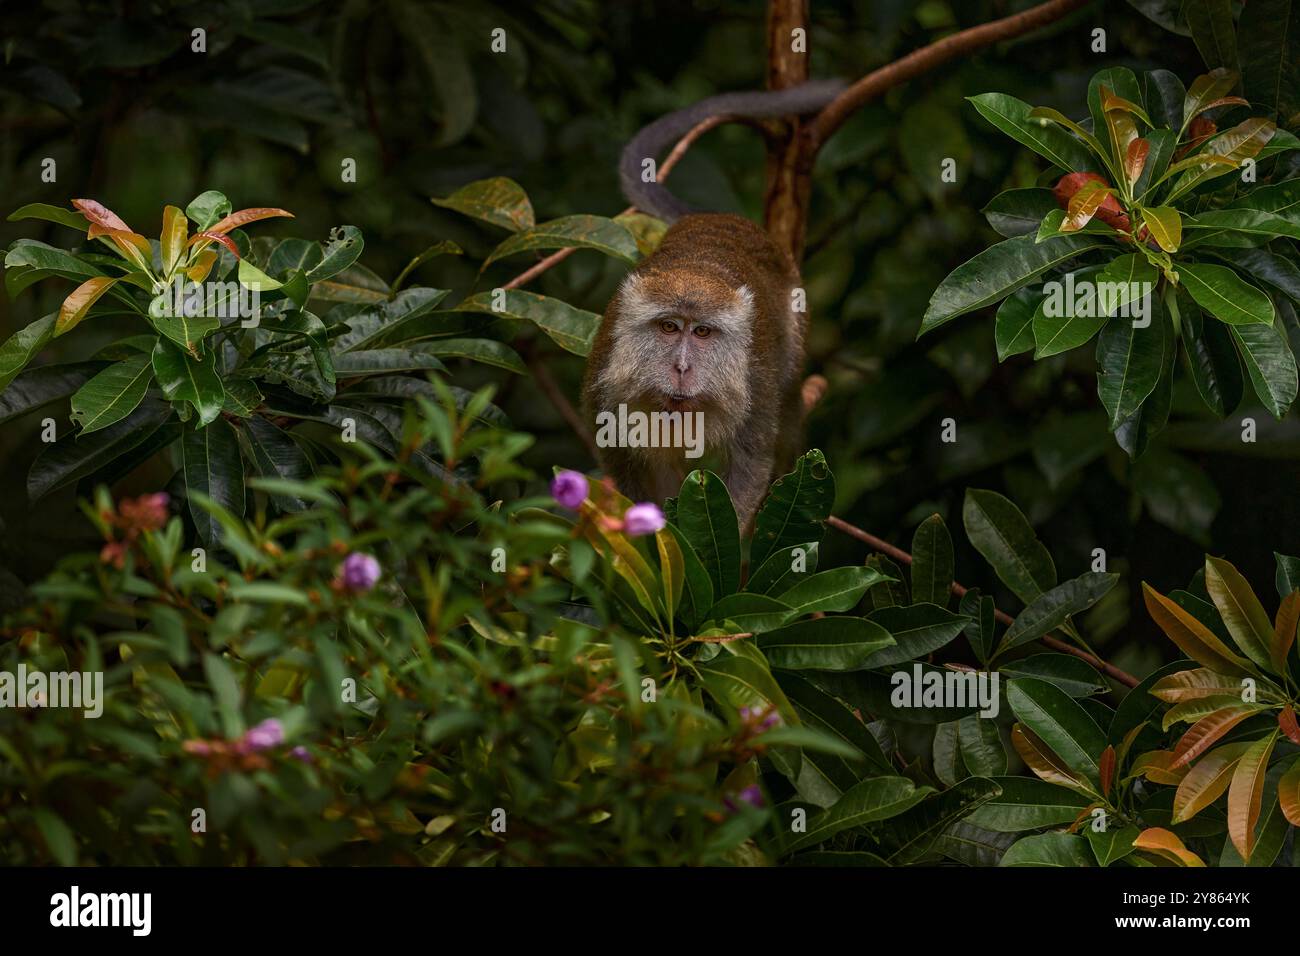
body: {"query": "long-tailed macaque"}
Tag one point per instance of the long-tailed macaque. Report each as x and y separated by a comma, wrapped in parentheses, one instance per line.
(705, 331)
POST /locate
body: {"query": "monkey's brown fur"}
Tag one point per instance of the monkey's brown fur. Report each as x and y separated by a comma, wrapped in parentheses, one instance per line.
(754, 426)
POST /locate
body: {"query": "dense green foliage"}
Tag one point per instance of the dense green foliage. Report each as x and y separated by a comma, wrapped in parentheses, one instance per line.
(339, 620)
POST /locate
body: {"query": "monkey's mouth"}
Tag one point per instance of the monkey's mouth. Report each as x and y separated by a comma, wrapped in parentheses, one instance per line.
(678, 402)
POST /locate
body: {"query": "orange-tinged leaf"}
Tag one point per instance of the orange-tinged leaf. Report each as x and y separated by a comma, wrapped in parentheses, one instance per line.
(1136, 158)
(1287, 722)
(244, 216)
(1164, 843)
(1106, 767)
(134, 247)
(1157, 766)
(1288, 794)
(1206, 781)
(1190, 711)
(1112, 101)
(1284, 629)
(1126, 744)
(1246, 794)
(1192, 637)
(1221, 101)
(1202, 734)
(202, 239)
(99, 214)
(1193, 684)
(202, 265)
(1084, 205)
(1241, 611)
(175, 230)
(1039, 758)
(76, 305)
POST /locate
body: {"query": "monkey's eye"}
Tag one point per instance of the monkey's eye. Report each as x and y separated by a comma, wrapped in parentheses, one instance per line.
(703, 331)
(668, 327)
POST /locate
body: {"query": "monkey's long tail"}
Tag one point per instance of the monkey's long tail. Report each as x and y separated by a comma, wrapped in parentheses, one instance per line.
(653, 139)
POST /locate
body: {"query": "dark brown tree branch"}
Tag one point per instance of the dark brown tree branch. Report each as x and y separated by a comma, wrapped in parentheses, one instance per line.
(914, 64)
(898, 554)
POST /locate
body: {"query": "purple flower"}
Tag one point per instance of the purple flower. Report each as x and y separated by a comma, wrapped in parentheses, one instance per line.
(753, 795)
(301, 753)
(644, 518)
(752, 714)
(269, 733)
(569, 488)
(360, 572)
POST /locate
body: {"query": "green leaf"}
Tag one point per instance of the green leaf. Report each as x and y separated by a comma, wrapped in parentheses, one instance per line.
(1130, 361)
(1213, 31)
(1013, 328)
(226, 693)
(376, 361)
(1049, 849)
(1165, 225)
(21, 347)
(1027, 803)
(1270, 364)
(187, 331)
(207, 209)
(979, 630)
(1244, 616)
(276, 455)
(486, 351)
(1287, 576)
(183, 378)
(828, 643)
(75, 456)
(1017, 212)
(343, 248)
(917, 631)
(910, 836)
(697, 590)
(1269, 267)
(981, 746)
(1225, 295)
(1244, 141)
(112, 394)
(499, 201)
(1061, 323)
(44, 211)
(1206, 89)
(1074, 676)
(1211, 357)
(42, 385)
(741, 677)
(1064, 726)
(838, 589)
(784, 568)
(1004, 537)
(213, 466)
(583, 232)
(752, 613)
(58, 836)
(1269, 44)
(571, 329)
(1011, 116)
(876, 798)
(795, 509)
(998, 271)
(823, 711)
(707, 519)
(1054, 608)
(932, 562)
(1111, 844)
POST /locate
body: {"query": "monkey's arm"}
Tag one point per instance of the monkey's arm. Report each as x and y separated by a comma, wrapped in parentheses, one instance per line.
(653, 139)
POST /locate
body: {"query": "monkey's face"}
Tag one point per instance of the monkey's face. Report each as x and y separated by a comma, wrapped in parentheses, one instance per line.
(682, 346)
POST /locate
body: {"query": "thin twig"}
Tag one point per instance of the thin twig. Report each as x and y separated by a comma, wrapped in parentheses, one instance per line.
(898, 554)
(962, 43)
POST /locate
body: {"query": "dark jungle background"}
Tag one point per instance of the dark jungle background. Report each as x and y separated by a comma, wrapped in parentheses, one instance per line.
(133, 118)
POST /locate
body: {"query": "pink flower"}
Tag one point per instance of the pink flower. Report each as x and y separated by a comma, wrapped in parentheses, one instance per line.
(301, 753)
(360, 572)
(644, 518)
(569, 488)
(269, 733)
(753, 795)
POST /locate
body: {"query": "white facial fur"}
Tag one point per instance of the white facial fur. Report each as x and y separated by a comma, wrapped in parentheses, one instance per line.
(642, 360)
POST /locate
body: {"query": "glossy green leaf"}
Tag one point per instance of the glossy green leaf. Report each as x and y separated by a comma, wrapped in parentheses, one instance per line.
(212, 465)
(499, 201)
(707, 520)
(112, 394)
(1054, 608)
(917, 630)
(1059, 721)
(795, 509)
(828, 643)
(187, 379)
(932, 562)
(583, 232)
(1004, 537)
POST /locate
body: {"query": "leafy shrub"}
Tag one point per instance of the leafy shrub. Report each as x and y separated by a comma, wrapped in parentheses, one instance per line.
(1143, 199)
